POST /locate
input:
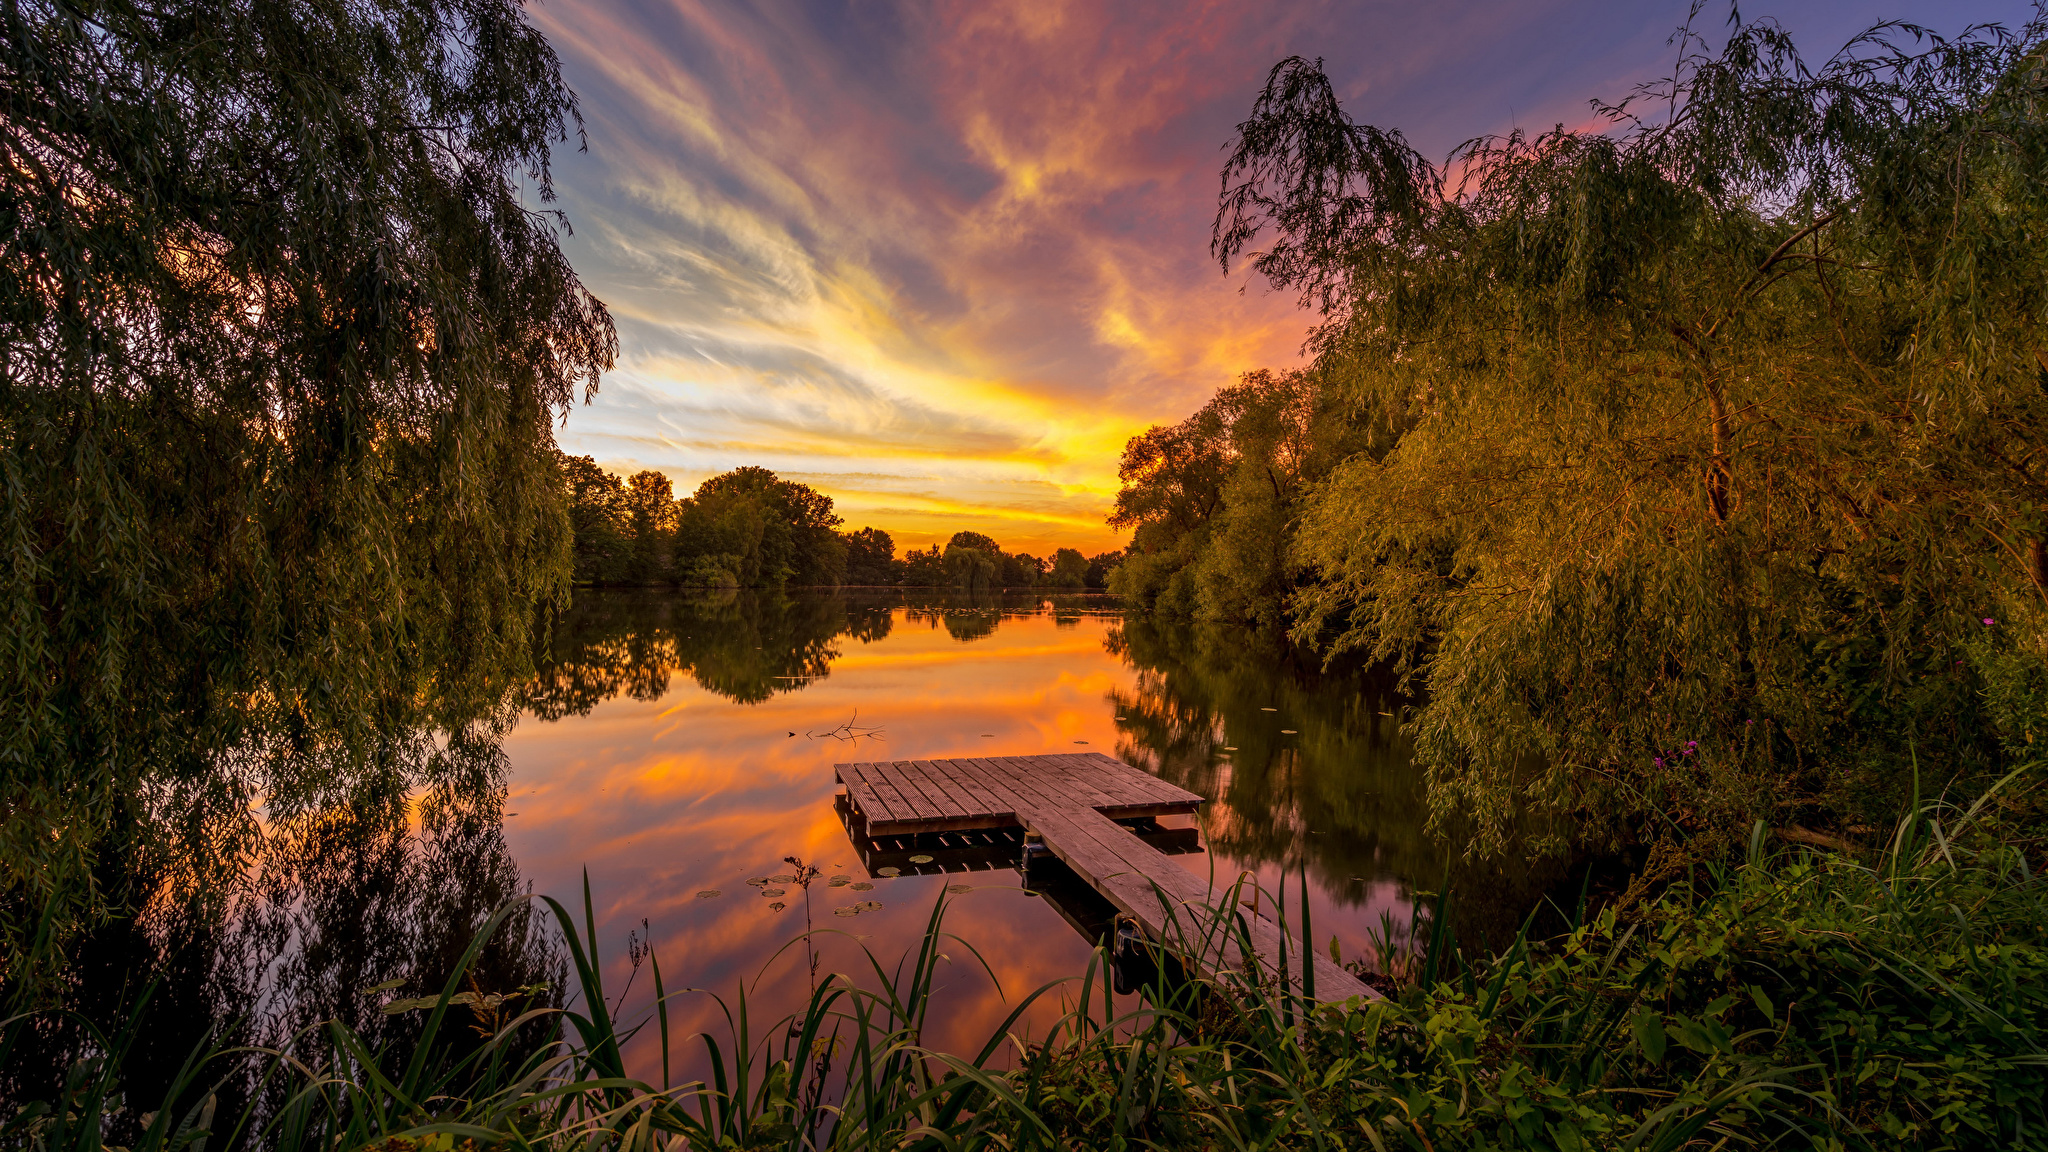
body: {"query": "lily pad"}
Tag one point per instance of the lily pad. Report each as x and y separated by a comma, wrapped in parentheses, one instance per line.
(848, 911)
(956, 889)
(757, 881)
(709, 894)
(771, 892)
(891, 871)
(785, 878)
(839, 882)
(869, 905)
(920, 859)
(863, 886)
(777, 906)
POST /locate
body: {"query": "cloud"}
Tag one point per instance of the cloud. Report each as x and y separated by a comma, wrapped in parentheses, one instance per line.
(967, 239)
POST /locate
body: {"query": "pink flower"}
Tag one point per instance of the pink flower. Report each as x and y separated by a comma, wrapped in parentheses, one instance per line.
(1989, 620)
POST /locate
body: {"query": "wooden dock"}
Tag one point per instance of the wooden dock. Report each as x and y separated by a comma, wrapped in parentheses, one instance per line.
(1073, 803)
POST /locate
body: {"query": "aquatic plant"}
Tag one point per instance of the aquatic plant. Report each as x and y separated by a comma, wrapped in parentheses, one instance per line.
(1794, 998)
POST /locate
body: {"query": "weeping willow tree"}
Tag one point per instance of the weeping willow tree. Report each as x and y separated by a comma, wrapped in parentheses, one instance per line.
(285, 328)
(1719, 482)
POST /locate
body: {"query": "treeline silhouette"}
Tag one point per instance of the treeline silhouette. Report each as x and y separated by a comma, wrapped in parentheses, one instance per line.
(749, 528)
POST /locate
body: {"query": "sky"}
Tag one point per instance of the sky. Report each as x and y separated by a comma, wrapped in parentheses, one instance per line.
(940, 259)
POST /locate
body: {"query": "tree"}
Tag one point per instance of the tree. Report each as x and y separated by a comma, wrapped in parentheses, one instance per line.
(1069, 569)
(924, 568)
(758, 529)
(871, 558)
(597, 519)
(283, 347)
(1021, 570)
(1100, 566)
(1713, 480)
(970, 567)
(973, 540)
(650, 524)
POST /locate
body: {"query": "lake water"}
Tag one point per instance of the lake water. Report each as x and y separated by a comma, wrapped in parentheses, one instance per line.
(681, 743)
(689, 746)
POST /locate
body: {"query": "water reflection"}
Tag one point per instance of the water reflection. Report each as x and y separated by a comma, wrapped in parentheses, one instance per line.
(675, 746)
(377, 870)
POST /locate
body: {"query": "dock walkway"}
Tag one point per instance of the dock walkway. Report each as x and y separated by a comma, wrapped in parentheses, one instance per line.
(1073, 802)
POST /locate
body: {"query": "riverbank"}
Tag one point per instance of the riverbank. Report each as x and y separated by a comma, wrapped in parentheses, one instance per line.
(1798, 997)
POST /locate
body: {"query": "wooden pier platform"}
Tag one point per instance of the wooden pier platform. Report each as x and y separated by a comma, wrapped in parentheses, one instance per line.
(1073, 802)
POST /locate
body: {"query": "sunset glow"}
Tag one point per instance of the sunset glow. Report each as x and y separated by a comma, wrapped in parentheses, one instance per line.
(941, 260)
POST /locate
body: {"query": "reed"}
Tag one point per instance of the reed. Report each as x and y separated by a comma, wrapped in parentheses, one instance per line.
(1794, 998)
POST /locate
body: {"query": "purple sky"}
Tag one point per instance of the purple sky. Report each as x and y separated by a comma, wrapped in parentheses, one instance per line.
(941, 259)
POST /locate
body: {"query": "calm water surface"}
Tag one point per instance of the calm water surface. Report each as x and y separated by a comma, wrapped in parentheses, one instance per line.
(682, 744)
(678, 744)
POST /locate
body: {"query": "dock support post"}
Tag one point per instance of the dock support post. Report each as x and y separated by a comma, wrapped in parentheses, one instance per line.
(1034, 850)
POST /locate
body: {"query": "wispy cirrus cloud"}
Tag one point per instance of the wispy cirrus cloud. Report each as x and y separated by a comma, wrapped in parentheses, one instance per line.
(940, 259)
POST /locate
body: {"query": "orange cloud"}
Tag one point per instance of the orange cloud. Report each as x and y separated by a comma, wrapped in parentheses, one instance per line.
(962, 244)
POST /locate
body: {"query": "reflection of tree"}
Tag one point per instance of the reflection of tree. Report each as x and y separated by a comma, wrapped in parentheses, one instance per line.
(745, 646)
(379, 864)
(968, 616)
(1345, 774)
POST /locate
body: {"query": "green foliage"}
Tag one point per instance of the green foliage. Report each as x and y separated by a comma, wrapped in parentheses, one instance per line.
(1100, 566)
(1797, 1001)
(776, 531)
(1022, 570)
(971, 569)
(283, 345)
(871, 558)
(744, 528)
(924, 568)
(1069, 569)
(598, 521)
(1691, 462)
(973, 540)
(1214, 499)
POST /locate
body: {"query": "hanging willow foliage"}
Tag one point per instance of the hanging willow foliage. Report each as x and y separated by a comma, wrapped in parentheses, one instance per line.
(285, 331)
(1721, 481)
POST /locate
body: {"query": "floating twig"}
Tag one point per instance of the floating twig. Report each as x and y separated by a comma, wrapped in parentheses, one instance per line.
(851, 730)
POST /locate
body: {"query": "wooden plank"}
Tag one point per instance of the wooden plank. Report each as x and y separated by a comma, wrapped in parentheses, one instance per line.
(1143, 782)
(999, 786)
(1074, 787)
(873, 806)
(978, 798)
(1131, 797)
(1165, 915)
(1194, 921)
(915, 783)
(1129, 791)
(1332, 981)
(1064, 797)
(975, 801)
(878, 778)
(879, 806)
(893, 815)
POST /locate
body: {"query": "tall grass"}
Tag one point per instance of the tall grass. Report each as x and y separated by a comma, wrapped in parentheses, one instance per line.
(1790, 999)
